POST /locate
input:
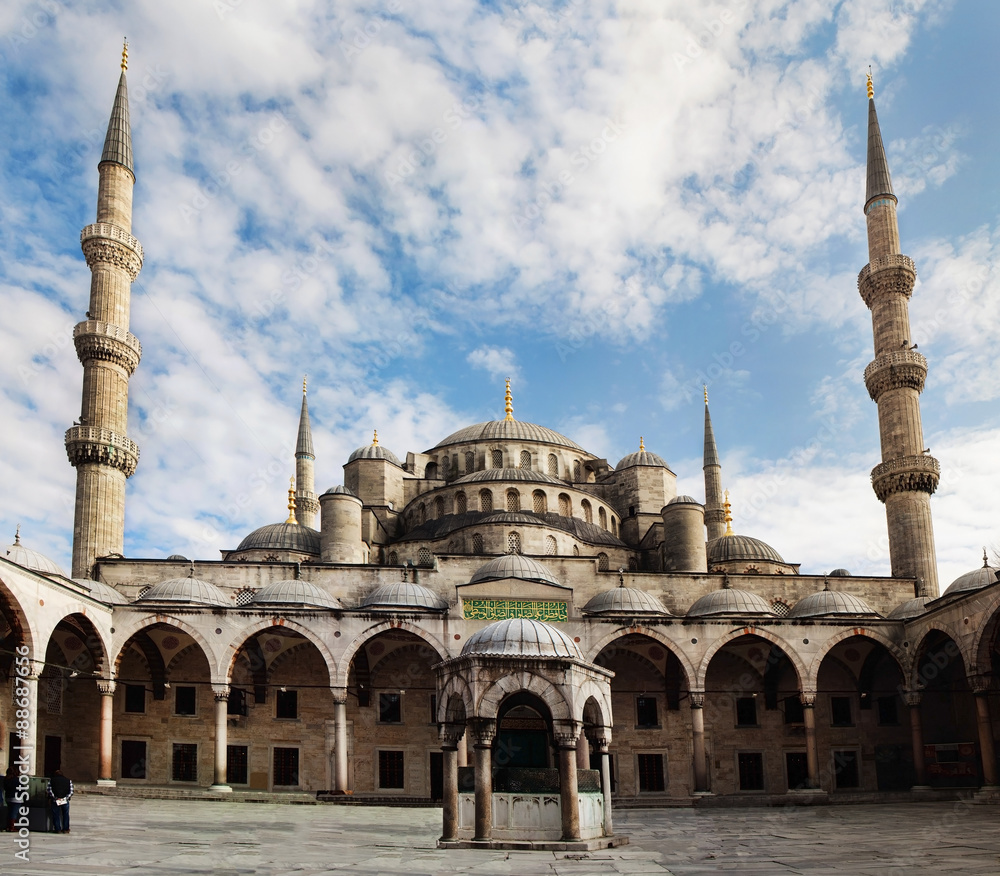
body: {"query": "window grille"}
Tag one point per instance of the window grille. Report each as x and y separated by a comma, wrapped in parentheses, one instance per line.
(565, 506)
(588, 512)
(550, 546)
(514, 543)
(538, 504)
(553, 465)
(485, 501)
(477, 544)
(424, 557)
(461, 503)
(525, 459)
(496, 457)
(602, 562)
(513, 500)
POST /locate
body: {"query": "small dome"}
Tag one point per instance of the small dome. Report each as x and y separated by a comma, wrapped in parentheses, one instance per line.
(521, 637)
(188, 590)
(910, 608)
(375, 451)
(524, 475)
(404, 595)
(282, 537)
(683, 500)
(295, 591)
(739, 548)
(641, 457)
(975, 580)
(513, 566)
(840, 573)
(179, 558)
(29, 559)
(102, 592)
(500, 430)
(831, 602)
(729, 601)
(339, 490)
(625, 600)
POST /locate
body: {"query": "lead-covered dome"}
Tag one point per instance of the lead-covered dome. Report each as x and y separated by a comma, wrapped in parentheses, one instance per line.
(830, 603)
(683, 500)
(29, 559)
(282, 537)
(295, 591)
(192, 591)
(729, 601)
(740, 548)
(524, 475)
(339, 490)
(405, 596)
(375, 451)
(521, 637)
(508, 430)
(977, 579)
(641, 457)
(625, 601)
(513, 566)
(102, 592)
(911, 608)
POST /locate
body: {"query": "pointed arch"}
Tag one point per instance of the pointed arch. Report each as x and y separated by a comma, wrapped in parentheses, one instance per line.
(94, 638)
(914, 680)
(228, 661)
(524, 680)
(690, 671)
(21, 625)
(141, 623)
(985, 633)
(347, 657)
(793, 656)
(897, 653)
(455, 688)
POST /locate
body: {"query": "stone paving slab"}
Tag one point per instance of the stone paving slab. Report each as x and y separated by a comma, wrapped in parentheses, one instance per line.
(132, 837)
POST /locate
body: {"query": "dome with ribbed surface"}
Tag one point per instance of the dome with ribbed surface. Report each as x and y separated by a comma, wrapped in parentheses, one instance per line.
(375, 451)
(840, 573)
(683, 500)
(339, 490)
(282, 537)
(193, 591)
(521, 637)
(738, 548)
(507, 430)
(102, 592)
(405, 596)
(513, 566)
(626, 601)
(29, 559)
(641, 457)
(524, 475)
(512, 517)
(828, 603)
(729, 601)
(911, 608)
(974, 580)
(295, 591)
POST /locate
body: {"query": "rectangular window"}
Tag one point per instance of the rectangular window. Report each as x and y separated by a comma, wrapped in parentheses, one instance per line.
(845, 766)
(794, 713)
(390, 708)
(286, 766)
(751, 764)
(185, 702)
(645, 712)
(887, 713)
(237, 758)
(434, 708)
(135, 698)
(237, 703)
(840, 712)
(287, 704)
(390, 769)
(746, 711)
(185, 762)
(133, 759)
(650, 772)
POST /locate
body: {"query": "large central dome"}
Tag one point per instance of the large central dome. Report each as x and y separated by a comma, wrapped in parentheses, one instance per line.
(508, 430)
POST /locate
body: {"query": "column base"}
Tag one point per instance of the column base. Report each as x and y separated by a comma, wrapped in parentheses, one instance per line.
(220, 789)
(107, 783)
(703, 793)
(604, 842)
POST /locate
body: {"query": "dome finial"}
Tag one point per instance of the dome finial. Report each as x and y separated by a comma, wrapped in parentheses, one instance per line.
(986, 562)
(374, 437)
(291, 501)
(508, 403)
(305, 378)
(729, 515)
(871, 88)
(705, 387)
(125, 55)
(17, 536)
(642, 446)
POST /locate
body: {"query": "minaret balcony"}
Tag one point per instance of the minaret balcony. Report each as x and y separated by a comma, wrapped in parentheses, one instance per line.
(90, 444)
(906, 474)
(902, 369)
(108, 244)
(111, 343)
(887, 275)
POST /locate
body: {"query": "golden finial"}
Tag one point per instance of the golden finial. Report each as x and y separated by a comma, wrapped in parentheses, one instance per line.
(729, 515)
(508, 403)
(125, 55)
(705, 387)
(17, 536)
(871, 88)
(291, 501)
(642, 446)
(305, 377)
(374, 437)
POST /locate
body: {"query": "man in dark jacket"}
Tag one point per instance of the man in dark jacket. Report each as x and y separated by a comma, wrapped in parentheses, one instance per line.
(60, 789)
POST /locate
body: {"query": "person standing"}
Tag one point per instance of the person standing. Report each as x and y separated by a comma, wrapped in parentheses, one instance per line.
(60, 789)
(9, 795)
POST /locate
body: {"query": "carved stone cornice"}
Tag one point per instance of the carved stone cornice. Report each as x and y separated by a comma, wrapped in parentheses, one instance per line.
(102, 340)
(906, 474)
(887, 275)
(89, 444)
(220, 692)
(107, 244)
(902, 369)
(106, 687)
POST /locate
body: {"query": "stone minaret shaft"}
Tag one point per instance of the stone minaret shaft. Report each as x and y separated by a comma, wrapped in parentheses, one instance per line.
(306, 504)
(98, 447)
(715, 514)
(907, 475)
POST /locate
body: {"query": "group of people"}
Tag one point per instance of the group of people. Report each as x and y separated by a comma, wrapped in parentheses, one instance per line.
(59, 791)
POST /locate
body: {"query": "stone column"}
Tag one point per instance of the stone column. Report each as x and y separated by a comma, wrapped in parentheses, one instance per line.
(26, 688)
(602, 741)
(917, 740)
(449, 803)
(812, 753)
(340, 740)
(582, 752)
(463, 750)
(105, 774)
(569, 792)
(221, 783)
(981, 685)
(483, 732)
(698, 742)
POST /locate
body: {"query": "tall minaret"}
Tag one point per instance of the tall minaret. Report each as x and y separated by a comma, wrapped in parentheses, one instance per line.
(98, 447)
(306, 504)
(715, 514)
(908, 474)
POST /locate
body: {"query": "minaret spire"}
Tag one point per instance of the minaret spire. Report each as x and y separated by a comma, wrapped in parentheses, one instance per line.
(98, 448)
(306, 503)
(508, 403)
(908, 474)
(714, 511)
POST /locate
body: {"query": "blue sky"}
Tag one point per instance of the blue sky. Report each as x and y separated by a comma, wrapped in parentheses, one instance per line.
(608, 202)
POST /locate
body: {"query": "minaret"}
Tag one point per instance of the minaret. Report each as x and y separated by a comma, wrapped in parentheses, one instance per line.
(98, 447)
(714, 512)
(908, 474)
(306, 504)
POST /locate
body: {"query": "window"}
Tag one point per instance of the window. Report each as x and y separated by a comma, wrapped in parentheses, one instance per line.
(53, 694)
(794, 713)
(576, 470)
(588, 512)
(513, 500)
(565, 506)
(553, 465)
(425, 557)
(650, 772)
(393, 558)
(746, 711)
(438, 507)
(185, 762)
(614, 526)
(461, 503)
(237, 759)
(421, 513)
(445, 467)
(390, 769)
(485, 501)
(135, 698)
(287, 704)
(840, 712)
(513, 543)
(390, 708)
(576, 550)
(780, 608)
(645, 712)
(237, 704)
(525, 459)
(133, 759)
(434, 708)
(602, 517)
(550, 546)
(286, 766)
(602, 562)
(797, 770)
(845, 769)
(633, 564)
(887, 713)
(431, 472)
(477, 544)
(470, 461)
(185, 702)
(538, 503)
(496, 457)
(245, 595)
(751, 768)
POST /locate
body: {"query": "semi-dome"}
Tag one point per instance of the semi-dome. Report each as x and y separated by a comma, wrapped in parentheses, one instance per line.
(513, 566)
(974, 580)
(404, 595)
(29, 559)
(186, 590)
(521, 637)
(828, 603)
(339, 490)
(627, 601)
(911, 608)
(525, 475)
(508, 430)
(295, 591)
(282, 537)
(729, 601)
(375, 451)
(641, 457)
(102, 592)
(740, 548)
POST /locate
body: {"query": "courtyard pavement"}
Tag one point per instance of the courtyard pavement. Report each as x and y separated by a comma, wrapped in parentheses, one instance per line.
(112, 836)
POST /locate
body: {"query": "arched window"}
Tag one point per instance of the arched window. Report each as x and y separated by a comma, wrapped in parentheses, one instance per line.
(614, 526)
(576, 550)
(565, 506)
(431, 472)
(588, 512)
(538, 503)
(393, 558)
(445, 466)
(245, 596)
(602, 562)
(513, 543)
(470, 461)
(525, 459)
(438, 507)
(421, 513)
(461, 503)
(424, 557)
(576, 470)
(550, 546)
(633, 564)
(513, 500)
(485, 501)
(602, 517)
(496, 457)
(477, 544)
(553, 467)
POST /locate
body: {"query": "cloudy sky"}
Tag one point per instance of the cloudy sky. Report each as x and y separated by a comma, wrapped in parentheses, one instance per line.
(610, 202)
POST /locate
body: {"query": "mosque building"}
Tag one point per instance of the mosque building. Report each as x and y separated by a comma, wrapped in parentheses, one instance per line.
(504, 601)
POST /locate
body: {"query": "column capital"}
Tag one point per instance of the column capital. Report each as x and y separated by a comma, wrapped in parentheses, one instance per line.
(220, 692)
(808, 698)
(106, 686)
(913, 697)
(483, 731)
(565, 733)
(697, 698)
(339, 695)
(450, 734)
(982, 683)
